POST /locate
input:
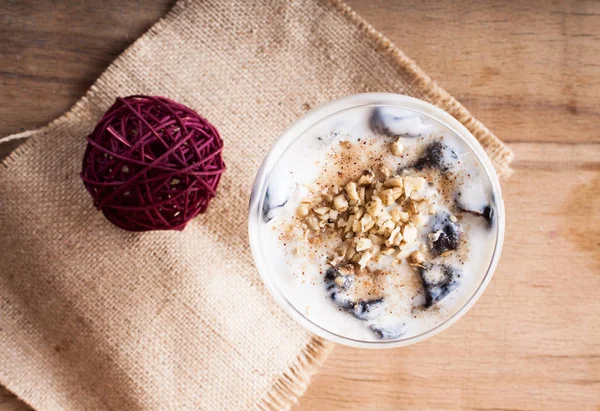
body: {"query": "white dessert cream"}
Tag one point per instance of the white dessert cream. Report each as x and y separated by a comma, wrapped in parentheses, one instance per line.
(378, 223)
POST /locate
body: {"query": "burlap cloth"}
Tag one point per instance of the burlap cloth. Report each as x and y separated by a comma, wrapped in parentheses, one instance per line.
(93, 317)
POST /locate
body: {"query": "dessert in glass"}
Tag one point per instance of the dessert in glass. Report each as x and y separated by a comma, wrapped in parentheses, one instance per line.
(376, 220)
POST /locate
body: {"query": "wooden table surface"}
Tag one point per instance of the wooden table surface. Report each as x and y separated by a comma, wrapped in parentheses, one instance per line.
(530, 70)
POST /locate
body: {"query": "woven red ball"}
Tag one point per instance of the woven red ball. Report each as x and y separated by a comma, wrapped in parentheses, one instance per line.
(152, 164)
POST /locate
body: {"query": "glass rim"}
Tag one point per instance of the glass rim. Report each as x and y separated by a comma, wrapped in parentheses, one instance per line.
(295, 131)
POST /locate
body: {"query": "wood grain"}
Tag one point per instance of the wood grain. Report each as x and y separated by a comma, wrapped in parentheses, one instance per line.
(531, 72)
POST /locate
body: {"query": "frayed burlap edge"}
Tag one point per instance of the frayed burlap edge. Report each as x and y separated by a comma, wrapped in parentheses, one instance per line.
(292, 384)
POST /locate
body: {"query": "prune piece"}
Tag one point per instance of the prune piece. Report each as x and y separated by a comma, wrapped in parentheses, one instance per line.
(487, 213)
(394, 122)
(334, 279)
(438, 280)
(342, 301)
(445, 235)
(364, 310)
(434, 157)
(444, 240)
(275, 199)
(338, 282)
(389, 332)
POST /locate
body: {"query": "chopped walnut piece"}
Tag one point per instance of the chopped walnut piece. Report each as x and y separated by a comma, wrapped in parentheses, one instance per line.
(386, 228)
(366, 223)
(368, 193)
(361, 195)
(409, 233)
(423, 206)
(324, 217)
(340, 203)
(413, 184)
(356, 225)
(418, 220)
(363, 244)
(352, 193)
(367, 178)
(385, 171)
(433, 237)
(397, 192)
(303, 210)
(388, 197)
(394, 238)
(350, 223)
(404, 216)
(395, 182)
(416, 195)
(382, 218)
(321, 210)
(416, 258)
(364, 259)
(387, 251)
(375, 239)
(397, 148)
(375, 206)
(312, 222)
(411, 206)
(350, 252)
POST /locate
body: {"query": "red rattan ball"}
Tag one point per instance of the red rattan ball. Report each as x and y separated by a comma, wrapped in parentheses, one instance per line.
(152, 164)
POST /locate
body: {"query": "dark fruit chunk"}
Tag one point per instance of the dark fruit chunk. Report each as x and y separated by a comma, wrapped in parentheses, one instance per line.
(434, 157)
(445, 235)
(344, 282)
(394, 122)
(337, 282)
(487, 213)
(271, 203)
(342, 301)
(389, 333)
(364, 309)
(438, 280)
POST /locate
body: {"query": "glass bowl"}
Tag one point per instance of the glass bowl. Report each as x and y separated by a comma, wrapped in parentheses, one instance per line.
(301, 128)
